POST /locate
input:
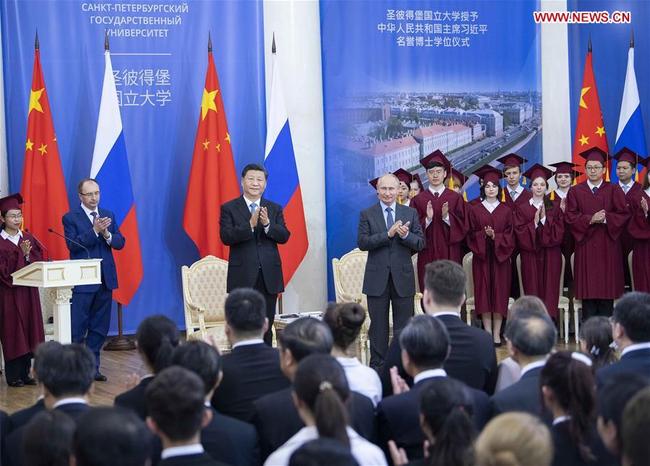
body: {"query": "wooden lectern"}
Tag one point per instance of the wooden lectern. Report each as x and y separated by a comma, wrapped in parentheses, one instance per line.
(61, 275)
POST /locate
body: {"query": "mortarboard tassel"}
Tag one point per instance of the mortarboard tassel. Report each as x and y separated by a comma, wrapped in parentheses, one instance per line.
(553, 195)
(451, 182)
(465, 196)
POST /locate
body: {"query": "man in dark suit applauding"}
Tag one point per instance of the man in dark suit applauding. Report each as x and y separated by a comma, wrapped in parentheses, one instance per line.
(391, 233)
(253, 227)
(92, 232)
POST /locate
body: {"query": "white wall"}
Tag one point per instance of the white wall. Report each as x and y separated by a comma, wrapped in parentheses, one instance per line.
(296, 25)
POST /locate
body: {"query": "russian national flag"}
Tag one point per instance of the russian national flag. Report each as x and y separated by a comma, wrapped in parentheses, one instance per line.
(630, 131)
(110, 167)
(283, 184)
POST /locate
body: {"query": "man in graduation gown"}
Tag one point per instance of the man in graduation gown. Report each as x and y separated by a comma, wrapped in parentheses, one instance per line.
(515, 193)
(443, 216)
(639, 229)
(597, 213)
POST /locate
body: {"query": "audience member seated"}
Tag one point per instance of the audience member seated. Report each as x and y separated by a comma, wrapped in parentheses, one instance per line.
(323, 451)
(48, 439)
(596, 340)
(252, 369)
(109, 437)
(225, 439)
(320, 391)
(472, 359)
(530, 340)
(509, 370)
(631, 332)
(66, 374)
(514, 439)
(635, 428)
(156, 338)
(612, 398)
(345, 321)
(276, 417)
(425, 346)
(176, 406)
(569, 394)
(446, 423)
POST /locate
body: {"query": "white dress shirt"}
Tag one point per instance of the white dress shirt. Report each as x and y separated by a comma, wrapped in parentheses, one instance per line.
(518, 190)
(194, 449)
(490, 206)
(362, 379)
(635, 347)
(14, 239)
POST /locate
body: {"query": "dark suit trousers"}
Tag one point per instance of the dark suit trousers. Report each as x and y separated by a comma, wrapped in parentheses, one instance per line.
(378, 308)
(271, 300)
(18, 368)
(597, 307)
(91, 318)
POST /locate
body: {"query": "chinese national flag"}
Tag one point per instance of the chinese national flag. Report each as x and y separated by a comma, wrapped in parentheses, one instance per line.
(44, 192)
(590, 129)
(213, 179)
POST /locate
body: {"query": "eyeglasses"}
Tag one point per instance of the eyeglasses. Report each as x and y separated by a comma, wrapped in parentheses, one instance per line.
(14, 216)
(593, 168)
(95, 194)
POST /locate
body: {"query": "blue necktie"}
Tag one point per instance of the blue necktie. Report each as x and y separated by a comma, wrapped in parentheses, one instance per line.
(594, 189)
(94, 216)
(252, 207)
(389, 218)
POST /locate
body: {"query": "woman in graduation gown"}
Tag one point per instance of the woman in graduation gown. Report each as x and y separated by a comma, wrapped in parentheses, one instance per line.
(491, 239)
(404, 186)
(539, 231)
(639, 229)
(21, 321)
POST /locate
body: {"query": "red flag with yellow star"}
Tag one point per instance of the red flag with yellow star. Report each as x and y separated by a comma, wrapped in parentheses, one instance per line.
(590, 128)
(213, 179)
(44, 192)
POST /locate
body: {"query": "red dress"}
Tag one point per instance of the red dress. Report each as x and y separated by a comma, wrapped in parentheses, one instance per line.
(541, 254)
(598, 263)
(639, 229)
(442, 241)
(491, 258)
(21, 321)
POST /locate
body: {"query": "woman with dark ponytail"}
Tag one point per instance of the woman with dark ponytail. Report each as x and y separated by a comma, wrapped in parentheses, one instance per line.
(569, 393)
(320, 390)
(156, 338)
(595, 340)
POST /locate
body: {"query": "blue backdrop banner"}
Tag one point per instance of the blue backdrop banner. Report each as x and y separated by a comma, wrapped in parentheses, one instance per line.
(159, 55)
(403, 78)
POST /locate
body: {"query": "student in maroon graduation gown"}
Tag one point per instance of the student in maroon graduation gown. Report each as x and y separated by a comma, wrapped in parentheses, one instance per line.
(443, 216)
(597, 213)
(539, 230)
(626, 166)
(21, 321)
(491, 239)
(404, 187)
(515, 193)
(455, 181)
(416, 186)
(639, 228)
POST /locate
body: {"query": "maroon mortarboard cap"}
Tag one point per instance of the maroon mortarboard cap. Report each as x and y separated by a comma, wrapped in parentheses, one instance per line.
(462, 179)
(10, 203)
(374, 182)
(512, 160)
(645, 161)
(418, 180)
(564, 167)
(436, 157)
(627, 155)
(488, 173)
(537, 171)
(595, 154)
(403, 175)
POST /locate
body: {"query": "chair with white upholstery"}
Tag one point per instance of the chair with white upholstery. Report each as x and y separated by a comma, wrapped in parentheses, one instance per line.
(469, 287)
(630, 258)
(204, 297)
(577, 306)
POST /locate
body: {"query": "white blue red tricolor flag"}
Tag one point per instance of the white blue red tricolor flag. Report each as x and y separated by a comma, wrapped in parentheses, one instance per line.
(630, 131)
(110, 167)
(283, 184)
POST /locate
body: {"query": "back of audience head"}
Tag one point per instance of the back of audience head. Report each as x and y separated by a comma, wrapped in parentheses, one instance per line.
(596, 339)
(568, 387)
(444, 285)
(514, 439)
(157, 336)
(530, 336)
(344, 321)
(425, 344)
(301, 338)
(321, 387)
(612, 398)
(245, 314)
(631, 318)
(66, 371)
(41, 351)
(635, 428)
(323, 451)
(176, 405)
(47, 440)
(202, 359)
(445, 417)
(528, 305)
(110, 436)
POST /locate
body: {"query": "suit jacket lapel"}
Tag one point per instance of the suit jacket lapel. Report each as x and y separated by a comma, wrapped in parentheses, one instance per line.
(379, 216)
(244, 210)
